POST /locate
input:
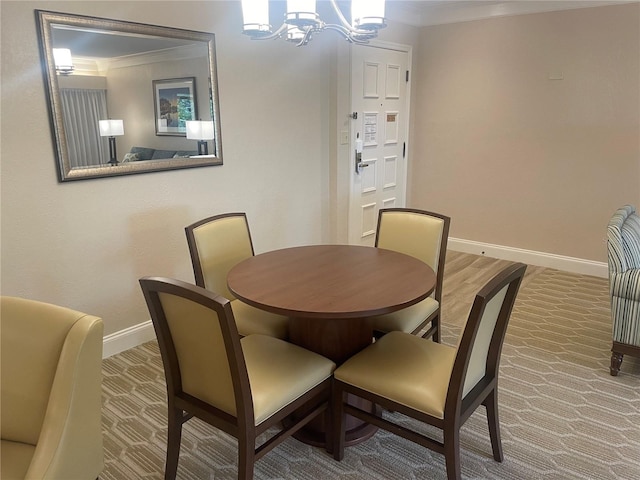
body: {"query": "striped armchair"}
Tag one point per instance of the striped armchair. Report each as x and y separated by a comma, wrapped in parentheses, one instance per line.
(623, 247)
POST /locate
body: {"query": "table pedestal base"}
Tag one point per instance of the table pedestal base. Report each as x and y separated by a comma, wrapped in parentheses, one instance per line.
(337, 339)
(356, 431)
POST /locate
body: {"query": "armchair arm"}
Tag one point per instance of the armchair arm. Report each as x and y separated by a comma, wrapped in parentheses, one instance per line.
(625, 284)
(70, 442)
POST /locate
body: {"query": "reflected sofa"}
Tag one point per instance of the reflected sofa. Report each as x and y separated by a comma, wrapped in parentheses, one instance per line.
(145, 153)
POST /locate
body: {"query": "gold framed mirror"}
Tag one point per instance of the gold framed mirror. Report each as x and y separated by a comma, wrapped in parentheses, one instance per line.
(122, 94)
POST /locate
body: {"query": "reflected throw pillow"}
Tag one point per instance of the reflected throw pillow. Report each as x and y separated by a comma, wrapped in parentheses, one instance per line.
(143, 152)
(130, 157)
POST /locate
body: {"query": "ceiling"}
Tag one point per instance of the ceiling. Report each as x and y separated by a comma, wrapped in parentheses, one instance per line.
(434, 12)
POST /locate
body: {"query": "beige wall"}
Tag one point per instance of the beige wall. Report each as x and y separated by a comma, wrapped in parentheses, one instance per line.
(519, 159)
(84, 244)
(486, 120)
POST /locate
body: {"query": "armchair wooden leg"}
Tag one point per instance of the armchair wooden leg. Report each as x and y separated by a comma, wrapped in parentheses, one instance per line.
(616, 361)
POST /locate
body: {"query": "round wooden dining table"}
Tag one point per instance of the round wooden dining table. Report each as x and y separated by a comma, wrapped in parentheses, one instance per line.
(329, 292)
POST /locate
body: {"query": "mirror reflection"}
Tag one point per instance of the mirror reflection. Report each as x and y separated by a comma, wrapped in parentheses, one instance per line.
(127, 98)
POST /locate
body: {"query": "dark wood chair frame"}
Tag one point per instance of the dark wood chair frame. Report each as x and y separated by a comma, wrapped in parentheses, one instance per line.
(193, 248)
(182, 406)
(434, 318)
(457, 409)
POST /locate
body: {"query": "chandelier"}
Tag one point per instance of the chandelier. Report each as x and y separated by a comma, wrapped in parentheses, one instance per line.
(301, 21)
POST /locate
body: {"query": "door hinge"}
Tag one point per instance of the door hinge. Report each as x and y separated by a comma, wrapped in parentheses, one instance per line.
(354, 115)
(407, 76)
(404, 149)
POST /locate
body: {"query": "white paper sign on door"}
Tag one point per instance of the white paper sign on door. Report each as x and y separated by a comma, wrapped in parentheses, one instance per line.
(370, 128)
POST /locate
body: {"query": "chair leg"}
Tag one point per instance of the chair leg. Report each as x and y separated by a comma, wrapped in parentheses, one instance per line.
(174, 437)
(433, 331)
(435, 323)
(246, 457)
(452, 454)
(616, 361)
(491, 403)
(328, 428)
(338, 427)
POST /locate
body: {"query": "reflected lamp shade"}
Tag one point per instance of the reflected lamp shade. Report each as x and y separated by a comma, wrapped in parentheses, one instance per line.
(202, 131)
(111, 129)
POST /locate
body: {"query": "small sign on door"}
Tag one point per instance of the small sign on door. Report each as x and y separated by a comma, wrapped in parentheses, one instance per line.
(370, 128)
(391, 128)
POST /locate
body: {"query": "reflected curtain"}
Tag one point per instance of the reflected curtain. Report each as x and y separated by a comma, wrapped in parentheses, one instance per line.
(81, 111)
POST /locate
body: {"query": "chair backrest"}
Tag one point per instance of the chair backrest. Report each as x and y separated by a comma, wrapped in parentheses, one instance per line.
(623, 240)
(418, 233)
(200, 345)
(216, 245)
(35, 338)
(480, 346)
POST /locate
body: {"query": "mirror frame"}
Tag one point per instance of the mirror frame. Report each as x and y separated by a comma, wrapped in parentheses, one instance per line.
(45, 22)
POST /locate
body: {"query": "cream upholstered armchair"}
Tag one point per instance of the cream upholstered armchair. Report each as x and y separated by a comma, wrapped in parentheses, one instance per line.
(623, 248)
(50, 392)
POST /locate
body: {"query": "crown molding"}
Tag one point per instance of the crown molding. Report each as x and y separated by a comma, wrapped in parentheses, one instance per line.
(421, 13)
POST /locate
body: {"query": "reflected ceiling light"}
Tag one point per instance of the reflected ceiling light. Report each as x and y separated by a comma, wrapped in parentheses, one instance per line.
(63, 61)
(203, 132)
(111, 129)
(301, 21)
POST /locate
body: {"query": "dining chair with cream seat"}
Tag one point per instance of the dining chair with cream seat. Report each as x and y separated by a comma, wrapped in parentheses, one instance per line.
(431, 382)
(50, 389)
(423, 235)
(217, 244)
(243, 386)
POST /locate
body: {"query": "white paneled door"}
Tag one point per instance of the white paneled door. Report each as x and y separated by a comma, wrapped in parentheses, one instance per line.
(379, 126)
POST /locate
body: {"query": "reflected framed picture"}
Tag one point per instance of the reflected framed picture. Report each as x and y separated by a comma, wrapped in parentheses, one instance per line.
(174, 101)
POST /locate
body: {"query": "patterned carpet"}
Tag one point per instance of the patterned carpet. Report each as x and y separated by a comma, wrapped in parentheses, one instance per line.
(562, 415)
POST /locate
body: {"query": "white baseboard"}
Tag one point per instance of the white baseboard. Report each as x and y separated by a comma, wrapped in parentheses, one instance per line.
(128, 338)
(530, 257)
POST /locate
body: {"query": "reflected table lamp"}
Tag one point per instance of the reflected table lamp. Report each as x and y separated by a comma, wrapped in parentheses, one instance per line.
(111, 129)
(203, 132)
